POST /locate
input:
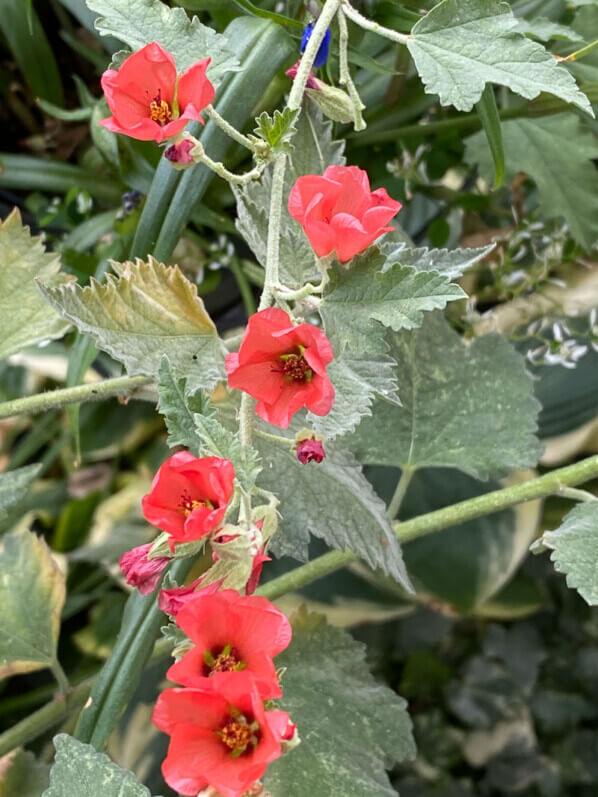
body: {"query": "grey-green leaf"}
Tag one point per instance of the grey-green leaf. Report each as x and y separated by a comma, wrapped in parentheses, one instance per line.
(150, 311)
(359, 297)
(13, 488)
(466, 407)
(574, 547)
(452, 263)
(333, 501)
(80, 770)
(557, 153)
(32, 591)
(174, 406)
(351, 727)
(139, 22)
(25, 776)
(461, 45)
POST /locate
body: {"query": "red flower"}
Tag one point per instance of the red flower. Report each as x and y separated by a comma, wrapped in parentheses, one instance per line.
(231, 633)
(256, 571)
(312, 81)
(310, 450)
(171, 601)
(189, 496)
(140, 571)
(148, 101)
(283, 367)
(220, 735)
(339, 212)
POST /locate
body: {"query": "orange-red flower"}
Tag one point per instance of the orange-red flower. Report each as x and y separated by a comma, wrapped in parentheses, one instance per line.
(231, 633)
(338, 212)
(140, 571)
(220, 735)
(189, 496)
(147, 99)
(283, 367)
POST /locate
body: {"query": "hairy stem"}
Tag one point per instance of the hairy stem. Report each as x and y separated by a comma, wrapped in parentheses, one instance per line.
(345, 78)
(550, 484)
(230, 131)
(368, 24)
(399, 493)
(95, 391)
(201, 156)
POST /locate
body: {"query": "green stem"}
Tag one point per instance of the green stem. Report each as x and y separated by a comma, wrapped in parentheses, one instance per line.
(243, 285)
(576, 495)
(95, 391)
(375, 27)
(61, 678)
(199, 153)
(580, 53)
(399, 493)
(345, 78)
(550, 484)
(230, 131)
(276, 438)
(44, 718)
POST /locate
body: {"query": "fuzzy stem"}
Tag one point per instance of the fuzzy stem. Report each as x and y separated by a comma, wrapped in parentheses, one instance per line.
(231, 131)
(200, 155)
(52, 399)
(276, 438)
(368, 24)
(399, 493)
(550, 484)
(345, 78)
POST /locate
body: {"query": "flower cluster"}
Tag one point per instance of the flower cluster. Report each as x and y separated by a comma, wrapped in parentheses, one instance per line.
(222, 734)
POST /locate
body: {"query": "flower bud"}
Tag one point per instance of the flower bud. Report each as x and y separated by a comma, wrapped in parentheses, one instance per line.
(140, 571)
(312, 82)
(333, 102)
(180, 153)
(171, 601)
(309, 448)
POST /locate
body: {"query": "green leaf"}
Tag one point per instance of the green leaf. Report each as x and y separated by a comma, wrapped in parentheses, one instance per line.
(545, 29)
(192, 423)
(27, 318)
(451, 263)
(14, 485)
(25, 777)
(461, 45)
(32, 591)
(150, 311)
(364, 294)
(79, 769)
(556, 152)
(333, 501)
(276, 131)
(466, 407)
(488, 113)
(313, 150)
(139, 22)
(351, 727)
(356, 383)
(574, 547)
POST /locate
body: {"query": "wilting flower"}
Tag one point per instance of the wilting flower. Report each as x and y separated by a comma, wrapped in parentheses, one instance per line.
(147, 99)
(283, 367)
(338, 212)
(312, 82)
(140, 571)
(220, 735)
(310, 449)
(322, 54)
(189, 496)
(179, 154)
(256, 571)
(231, 633)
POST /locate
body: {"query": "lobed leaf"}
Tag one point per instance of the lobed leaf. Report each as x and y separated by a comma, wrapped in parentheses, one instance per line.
(574, 547)
(277, 130)
(139, 22)
(333, 501)
(150, 311)
(351, 727)
(395, 297)
(451, 263)
(79, 769)
(26, 317)
(556, 152)
(32, 592)
(461, 45)
(466, 407)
